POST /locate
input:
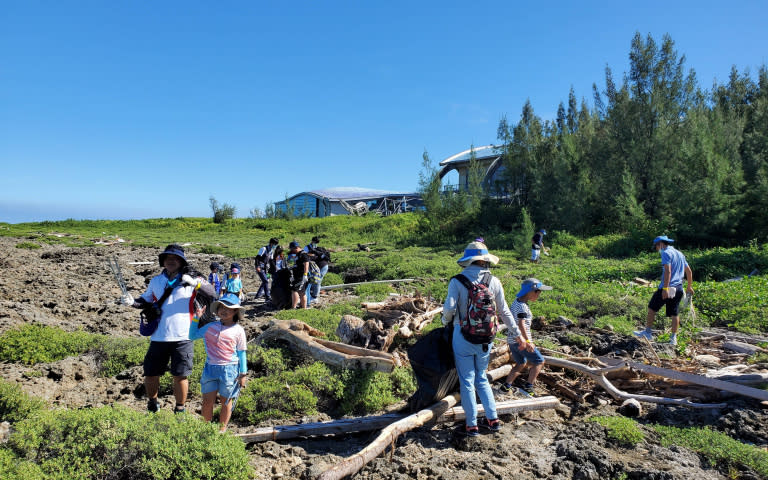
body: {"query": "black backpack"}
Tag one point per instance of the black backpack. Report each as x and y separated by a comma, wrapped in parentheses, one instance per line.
(322, 254)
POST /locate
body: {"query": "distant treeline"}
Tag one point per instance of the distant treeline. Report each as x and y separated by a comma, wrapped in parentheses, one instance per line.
(654, 153)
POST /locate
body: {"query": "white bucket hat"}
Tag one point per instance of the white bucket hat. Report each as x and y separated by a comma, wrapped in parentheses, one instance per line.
(476, 251)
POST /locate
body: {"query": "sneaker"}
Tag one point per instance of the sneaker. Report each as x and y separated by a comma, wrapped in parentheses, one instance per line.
(528, 388)
(673, 340)
(643, 334)
(491, 425)
(506, 387)
(152, 406)
(179, 409)
(468, 431)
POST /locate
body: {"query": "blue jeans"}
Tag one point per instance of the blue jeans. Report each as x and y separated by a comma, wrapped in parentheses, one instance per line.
(264, 284)
(471, 364)
(313, 289)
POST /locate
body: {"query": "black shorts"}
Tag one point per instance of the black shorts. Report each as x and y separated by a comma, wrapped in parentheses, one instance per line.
(672, 303)
(179, 353)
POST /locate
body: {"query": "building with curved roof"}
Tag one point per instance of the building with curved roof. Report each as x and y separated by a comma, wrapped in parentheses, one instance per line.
(489, 157)
(349, 200)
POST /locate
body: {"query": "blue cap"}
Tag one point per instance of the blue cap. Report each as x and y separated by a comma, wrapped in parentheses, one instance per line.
(530, 284)
(662, 238)
(173, 250)
(543, 232)
(294, 245)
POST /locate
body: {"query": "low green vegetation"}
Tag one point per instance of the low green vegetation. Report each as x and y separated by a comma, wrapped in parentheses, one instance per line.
(116, 442)
(717, 448)
(31, 344)
(28, 245)
(15, 405)
(622, 429)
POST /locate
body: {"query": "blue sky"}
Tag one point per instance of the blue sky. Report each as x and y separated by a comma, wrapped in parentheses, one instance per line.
(117, 109)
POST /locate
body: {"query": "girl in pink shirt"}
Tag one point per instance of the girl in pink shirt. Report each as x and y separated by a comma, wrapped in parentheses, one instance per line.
(225, 365)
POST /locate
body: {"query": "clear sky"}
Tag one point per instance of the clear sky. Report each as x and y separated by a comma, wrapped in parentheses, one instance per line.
(129, 109)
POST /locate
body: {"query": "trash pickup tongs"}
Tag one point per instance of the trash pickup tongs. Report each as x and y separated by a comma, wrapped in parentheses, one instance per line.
(115, 267)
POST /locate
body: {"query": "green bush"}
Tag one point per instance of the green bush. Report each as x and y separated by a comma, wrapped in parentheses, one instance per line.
(366, 391)
(116, 354)
(271, 397)
(331, 278)
(375, 292)
(28, 245)
(622, 429)
(718, 448)
(32, 343)
(14, 468)
(116, 442)
(266, 361)
(15, 404)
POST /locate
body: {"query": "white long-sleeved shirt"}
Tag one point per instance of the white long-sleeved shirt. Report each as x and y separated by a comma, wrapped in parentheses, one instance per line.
(458, 298)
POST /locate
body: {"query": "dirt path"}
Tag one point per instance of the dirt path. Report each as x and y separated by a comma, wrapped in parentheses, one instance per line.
(74, 289)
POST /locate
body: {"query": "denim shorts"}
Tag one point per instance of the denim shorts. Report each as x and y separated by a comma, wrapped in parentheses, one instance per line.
(525, 356)
(219, 378)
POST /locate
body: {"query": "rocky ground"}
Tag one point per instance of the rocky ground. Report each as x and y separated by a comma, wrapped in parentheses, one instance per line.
(73, 288)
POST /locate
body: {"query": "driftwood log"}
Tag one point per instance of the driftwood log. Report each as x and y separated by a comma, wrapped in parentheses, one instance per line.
(330, 353)
(345, 285)
(598, 376)
(363, 424)
(353, 464)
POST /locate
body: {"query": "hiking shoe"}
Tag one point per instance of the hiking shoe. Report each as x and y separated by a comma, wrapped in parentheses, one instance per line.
(153, 406)
(643, 334)
(673, 340)
(491, 425)
(179, 409)
(468, 431)
(528, 388)
(506, 387)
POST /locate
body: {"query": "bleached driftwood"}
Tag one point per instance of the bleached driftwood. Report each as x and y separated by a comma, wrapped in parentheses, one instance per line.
(742, 347)
(364, 424)
(598, 376)
(353, 464)
(701, 380)
(330, 353)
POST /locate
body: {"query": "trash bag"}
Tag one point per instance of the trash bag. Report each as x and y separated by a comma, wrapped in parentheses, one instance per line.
(281, 289)
(434, 368)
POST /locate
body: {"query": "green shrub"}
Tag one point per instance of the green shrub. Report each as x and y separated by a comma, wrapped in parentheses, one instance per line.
(624, 325)
(374, 292)
(716, 447)
(366, 392)
(331, 278)
(581, 341)
(28, 245)
(116, 354)
(32, 343)
(116, 442)
(14, 468)
(15, 404)
(266, 361)
(271, 397)
(403, 382)
(622, 429)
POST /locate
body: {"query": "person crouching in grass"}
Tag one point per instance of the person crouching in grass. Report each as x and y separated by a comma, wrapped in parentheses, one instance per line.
(530, 290)
(225, 348)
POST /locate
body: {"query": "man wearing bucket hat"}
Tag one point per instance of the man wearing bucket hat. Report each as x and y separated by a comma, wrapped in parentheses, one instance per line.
(472, 359)
(673, 268)
(530, 290)
(225, 347)
(170, 341)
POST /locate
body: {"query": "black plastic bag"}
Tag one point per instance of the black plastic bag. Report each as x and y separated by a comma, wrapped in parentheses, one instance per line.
(434, 367)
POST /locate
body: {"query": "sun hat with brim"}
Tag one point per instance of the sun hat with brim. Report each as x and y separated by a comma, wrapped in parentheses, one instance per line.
(172, 250)
(229, 300)
(476, 251)
(529, 285)
(662, 238)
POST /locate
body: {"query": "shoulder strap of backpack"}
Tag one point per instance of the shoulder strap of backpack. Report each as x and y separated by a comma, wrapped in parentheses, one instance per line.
(463, 280)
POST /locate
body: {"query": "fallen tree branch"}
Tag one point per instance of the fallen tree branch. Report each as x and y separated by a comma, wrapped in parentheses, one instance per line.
(330, 353)
(598, 376)
(363, 424)
(353, 464)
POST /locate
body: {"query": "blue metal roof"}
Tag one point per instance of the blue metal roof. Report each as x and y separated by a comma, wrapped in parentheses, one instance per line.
(487, 151)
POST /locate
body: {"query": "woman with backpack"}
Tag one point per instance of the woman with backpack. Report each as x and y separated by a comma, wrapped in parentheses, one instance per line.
(473, 304)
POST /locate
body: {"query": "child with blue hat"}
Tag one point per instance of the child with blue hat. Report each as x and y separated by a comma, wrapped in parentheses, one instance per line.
(529, 354)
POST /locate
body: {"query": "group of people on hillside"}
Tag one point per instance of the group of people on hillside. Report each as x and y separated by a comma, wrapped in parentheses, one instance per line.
(471, 351)
(184, 296)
